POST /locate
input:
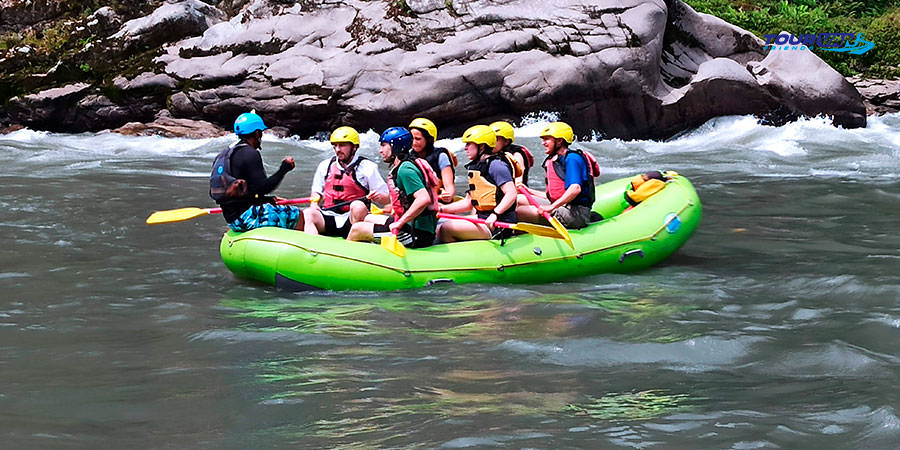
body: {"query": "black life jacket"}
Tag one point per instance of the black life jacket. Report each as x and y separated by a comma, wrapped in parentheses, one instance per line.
(526, 156)
(222, 184)
(432, 159)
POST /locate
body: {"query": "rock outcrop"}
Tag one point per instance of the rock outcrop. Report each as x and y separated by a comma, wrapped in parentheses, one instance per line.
(879, 96)
(627, 68)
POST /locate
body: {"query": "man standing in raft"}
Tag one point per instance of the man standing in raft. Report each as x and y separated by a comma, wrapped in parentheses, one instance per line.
(412, 187)
(570, 180)
(238, 181)
(492, 189)
(347, 180)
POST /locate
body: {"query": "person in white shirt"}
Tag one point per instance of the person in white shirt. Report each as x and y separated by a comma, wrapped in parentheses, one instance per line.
(347, 184)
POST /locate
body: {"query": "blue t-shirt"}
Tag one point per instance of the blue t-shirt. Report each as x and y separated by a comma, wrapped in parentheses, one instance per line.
(576, 173)
(576, 169)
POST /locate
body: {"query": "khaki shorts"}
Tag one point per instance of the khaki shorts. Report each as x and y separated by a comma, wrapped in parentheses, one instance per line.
(572, 216)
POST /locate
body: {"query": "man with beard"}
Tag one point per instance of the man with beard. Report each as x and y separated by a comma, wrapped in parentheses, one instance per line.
(347, 183)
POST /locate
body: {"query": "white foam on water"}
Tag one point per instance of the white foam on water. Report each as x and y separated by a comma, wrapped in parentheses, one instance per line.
(739, 144)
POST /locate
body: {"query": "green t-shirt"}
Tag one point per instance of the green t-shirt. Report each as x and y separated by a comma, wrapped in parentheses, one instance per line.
(409, 180)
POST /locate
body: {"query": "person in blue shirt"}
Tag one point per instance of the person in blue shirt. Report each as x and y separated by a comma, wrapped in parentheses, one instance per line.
(570, 181)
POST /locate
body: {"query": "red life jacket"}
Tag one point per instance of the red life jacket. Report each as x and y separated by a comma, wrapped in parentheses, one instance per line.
(556, 178)
(400, 201)
(341, 185)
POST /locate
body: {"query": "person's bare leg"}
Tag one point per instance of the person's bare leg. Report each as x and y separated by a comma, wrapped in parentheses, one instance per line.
(315, 221)
(358, 211)
(300, 222)
(461, 230)
(362, 231)
(530, 214)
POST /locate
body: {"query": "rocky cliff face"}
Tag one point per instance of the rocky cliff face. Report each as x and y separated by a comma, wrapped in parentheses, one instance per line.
(628, 68)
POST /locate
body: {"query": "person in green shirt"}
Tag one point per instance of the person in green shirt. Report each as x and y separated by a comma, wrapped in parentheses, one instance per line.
(411, 184)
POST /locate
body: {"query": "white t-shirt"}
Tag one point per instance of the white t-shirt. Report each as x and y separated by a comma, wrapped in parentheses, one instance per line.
(366, 173)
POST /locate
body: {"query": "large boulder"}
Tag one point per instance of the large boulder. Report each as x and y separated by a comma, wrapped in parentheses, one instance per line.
(628, 68)
(170, 22)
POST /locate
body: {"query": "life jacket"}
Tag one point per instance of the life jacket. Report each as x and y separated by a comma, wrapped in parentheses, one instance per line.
(556, 178)
(432, 159)
(341, 185)
(643, 186)
(400, 201)
(222, 184)
(526, 156)
(483, 191)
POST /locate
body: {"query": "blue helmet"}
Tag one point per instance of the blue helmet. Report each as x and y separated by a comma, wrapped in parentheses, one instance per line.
(247, 123)
(400, 139)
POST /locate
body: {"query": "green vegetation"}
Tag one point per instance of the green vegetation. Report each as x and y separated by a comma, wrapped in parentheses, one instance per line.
(879, 20)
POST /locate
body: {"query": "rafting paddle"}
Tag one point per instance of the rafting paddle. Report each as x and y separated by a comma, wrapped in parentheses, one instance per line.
(539, 230)
(556, 225)
(391, 244)
(182, 214)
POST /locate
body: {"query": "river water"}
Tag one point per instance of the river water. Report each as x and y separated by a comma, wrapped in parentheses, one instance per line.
(775, 326)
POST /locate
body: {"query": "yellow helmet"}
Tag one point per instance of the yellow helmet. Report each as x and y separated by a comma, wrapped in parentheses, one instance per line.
(503, 129)
(426, 125)
(560, 130)
(345, 134)
(480, 134)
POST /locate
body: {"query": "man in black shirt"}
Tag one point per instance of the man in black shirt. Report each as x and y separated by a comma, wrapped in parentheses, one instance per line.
(240, 186)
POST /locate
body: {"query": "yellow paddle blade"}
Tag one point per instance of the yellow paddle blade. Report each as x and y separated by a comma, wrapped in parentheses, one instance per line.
(391, 244)
(374, 209)
(539, 230)
(176, 215)
(561, 230)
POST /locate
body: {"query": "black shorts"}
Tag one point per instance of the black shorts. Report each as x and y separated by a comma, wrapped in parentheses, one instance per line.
(331, 228)
(408, 236)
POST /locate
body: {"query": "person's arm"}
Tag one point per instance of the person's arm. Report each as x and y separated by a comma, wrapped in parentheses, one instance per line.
(448, 178)
(448, 189)
(318, 182)
(463, 206)
(508, 201)
(570, 194)
(251, 169)
(378, 188)
(576, 169)
(421, 200)
(519, 159)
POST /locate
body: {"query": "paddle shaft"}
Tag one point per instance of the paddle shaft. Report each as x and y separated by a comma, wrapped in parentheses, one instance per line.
(563, 233)
(290, 201)
(475, 220)
(298, 201)
(535, 203)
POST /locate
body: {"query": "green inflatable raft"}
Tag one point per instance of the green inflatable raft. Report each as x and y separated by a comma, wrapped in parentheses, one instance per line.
(626, 241)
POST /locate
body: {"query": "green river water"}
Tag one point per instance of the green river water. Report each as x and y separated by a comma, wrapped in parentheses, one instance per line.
(776, 326)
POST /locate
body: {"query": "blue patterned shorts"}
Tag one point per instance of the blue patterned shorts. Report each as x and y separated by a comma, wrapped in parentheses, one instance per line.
(267, 215)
